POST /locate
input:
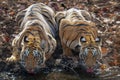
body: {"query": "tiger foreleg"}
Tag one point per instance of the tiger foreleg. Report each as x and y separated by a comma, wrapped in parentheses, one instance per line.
(14, 57)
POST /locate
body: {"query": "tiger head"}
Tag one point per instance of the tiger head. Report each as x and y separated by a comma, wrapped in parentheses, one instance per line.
(90, 51)
(32, 56)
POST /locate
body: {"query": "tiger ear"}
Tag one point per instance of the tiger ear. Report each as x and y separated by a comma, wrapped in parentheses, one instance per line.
(59, 16)
(64, 22)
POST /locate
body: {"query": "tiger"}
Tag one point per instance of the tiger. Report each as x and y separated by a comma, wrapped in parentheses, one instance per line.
(79, 37)
(35, 43)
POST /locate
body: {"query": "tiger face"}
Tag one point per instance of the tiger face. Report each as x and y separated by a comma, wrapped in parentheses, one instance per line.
(32, 54)
(90, 51)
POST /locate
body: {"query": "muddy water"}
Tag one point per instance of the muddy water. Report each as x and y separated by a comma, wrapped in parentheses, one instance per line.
(112, 73)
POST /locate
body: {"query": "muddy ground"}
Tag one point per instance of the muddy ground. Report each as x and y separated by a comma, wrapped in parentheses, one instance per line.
(106, 16)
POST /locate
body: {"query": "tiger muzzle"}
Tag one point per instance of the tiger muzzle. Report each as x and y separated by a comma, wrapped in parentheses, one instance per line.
(32, 59)
(89, 57)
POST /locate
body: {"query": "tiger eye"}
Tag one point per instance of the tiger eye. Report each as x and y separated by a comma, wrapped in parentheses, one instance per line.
(82, 39)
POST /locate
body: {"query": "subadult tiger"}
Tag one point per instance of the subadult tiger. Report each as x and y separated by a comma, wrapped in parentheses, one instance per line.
(36, 41)
(79, 37)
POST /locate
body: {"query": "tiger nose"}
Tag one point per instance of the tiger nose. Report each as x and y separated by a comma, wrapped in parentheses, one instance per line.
(30, 70)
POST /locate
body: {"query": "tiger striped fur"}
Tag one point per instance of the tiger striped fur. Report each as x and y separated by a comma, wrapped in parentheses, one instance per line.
(79, 36)
(36, 41)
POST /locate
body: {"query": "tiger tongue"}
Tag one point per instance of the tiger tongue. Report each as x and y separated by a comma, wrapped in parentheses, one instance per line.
(89, 70)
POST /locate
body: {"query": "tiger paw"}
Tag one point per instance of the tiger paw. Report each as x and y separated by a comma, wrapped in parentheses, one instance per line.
(103, 66)
(11, 59)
